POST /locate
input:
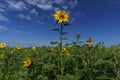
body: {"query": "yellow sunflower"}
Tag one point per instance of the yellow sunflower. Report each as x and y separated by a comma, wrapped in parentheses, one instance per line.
(28, 62)
(63, 49)
(33, 48)
(2, 45)
(61, 16)
(67, 54)
(18, 47)
(51, 49)
(90, 41)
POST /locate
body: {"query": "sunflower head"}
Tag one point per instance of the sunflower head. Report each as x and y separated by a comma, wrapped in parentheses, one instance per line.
(90, 41)
(63, 49)
(2, 45)
(18, 47)
(67, 54)
(28, 62)
(61, 16)
(51, 49)
(33, 48)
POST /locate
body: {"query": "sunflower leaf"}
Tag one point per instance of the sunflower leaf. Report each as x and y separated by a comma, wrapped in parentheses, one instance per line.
(55, 29)
(56, 22)
(53, 42)
(66, 24)
(64, 33)
(65, 38)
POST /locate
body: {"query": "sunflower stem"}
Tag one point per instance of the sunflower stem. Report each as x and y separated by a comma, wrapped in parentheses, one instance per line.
(61, 30)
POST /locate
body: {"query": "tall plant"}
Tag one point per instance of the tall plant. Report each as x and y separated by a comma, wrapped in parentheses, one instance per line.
(62, 18)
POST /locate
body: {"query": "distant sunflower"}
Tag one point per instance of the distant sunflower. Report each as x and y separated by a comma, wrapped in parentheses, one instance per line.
(2, 45)
(28, 62)
(33, 48)
(51, 49)
(67, 54)
(90, 41)
(63, 49)
(61, 16)
(18, 47)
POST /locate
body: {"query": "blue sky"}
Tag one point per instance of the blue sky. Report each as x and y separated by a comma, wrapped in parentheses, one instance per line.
(29, 22)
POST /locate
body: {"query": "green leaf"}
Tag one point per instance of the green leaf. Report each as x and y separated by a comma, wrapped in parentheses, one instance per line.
(66, 24)
(103, 77)
(64, 33)
(48, 66)
(74, 43)
(56, 22)
(77, 36)
(66, 77)
(101, 61)
(65, 38)
(53, 42)
(55, 29)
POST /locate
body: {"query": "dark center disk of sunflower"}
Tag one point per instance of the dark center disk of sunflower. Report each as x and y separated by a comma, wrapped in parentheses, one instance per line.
(90, 41)
(61, 16)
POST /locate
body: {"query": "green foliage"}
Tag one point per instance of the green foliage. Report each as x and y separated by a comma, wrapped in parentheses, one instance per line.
(82, 63)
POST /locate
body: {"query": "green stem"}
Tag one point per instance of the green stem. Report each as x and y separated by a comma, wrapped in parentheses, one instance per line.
(76, 63)
(61, 31)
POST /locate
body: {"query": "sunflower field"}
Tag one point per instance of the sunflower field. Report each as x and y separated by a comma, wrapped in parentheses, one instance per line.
(77, 60)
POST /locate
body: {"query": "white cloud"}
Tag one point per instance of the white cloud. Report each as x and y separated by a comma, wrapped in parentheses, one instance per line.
(45, 6)
(53, 4)
(59, 1)
(3, 28)
(27, 17)
(65, 7)
(42, 4)
(3, 18)
(17, 5)
(33, 11)
(2, 10)
(40, 22)
(72, 3)
(56, 8)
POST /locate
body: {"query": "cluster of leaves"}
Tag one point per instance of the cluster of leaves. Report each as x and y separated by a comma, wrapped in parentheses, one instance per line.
(84, 62)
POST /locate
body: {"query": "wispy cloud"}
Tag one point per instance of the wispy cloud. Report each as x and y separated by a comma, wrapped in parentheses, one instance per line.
(40, 22)
(3, 18)
(45, 6)
(53, 5)
(33, 11)
(59, 1)
(2, 7)
(42, 4)
(3, 28)
(2, 10)
(27, 17)
(16, 5)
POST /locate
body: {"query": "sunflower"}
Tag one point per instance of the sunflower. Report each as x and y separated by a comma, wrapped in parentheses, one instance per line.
(18, 47)
(28, 62)
(2, 45)
(33, 48)
(64, 49)
(90, 41)
(51, 49)
(67, 54)
(61, 16)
